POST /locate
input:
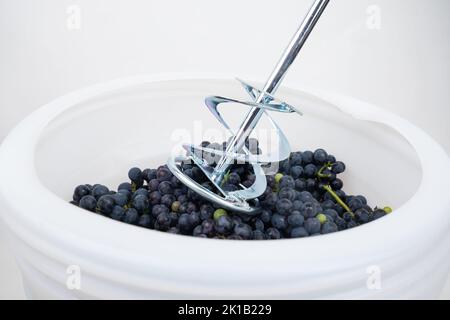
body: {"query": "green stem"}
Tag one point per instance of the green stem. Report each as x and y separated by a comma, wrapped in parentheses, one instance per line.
(338, 200)
(320, 174)
(225, 177)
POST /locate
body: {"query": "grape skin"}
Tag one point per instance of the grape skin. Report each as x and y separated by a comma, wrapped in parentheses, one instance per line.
(296, 203)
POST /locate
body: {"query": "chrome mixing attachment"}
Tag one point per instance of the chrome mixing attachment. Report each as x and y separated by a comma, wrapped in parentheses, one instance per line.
(262, 101)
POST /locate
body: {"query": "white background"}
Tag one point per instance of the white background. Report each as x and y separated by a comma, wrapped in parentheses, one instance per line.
(403, 65)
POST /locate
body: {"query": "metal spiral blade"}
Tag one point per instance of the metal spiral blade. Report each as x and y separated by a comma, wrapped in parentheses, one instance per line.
(236, 200)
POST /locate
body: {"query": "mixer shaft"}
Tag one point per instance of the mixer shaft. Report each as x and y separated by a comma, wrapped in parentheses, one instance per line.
(272, 85)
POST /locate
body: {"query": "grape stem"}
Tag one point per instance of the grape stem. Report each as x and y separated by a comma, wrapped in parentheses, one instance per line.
(338, 200)
(225, 178)
(325, 166)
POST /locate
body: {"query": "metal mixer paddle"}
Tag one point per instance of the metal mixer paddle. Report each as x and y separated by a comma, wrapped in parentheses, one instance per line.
(262, 101)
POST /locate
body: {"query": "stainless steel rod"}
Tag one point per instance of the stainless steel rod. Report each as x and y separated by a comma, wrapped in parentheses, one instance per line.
(271, 85)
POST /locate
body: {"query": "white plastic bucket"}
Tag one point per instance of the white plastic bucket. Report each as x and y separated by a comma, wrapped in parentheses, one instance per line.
(96, 134)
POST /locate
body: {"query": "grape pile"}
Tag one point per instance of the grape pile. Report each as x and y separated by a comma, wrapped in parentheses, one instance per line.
(305, 198)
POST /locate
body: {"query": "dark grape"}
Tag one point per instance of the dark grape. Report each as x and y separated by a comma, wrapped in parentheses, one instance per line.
(304, 198)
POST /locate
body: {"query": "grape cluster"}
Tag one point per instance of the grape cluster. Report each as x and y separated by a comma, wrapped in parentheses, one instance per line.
(305, 198)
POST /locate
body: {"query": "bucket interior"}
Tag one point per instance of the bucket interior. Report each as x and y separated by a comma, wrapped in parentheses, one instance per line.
(97, 141)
